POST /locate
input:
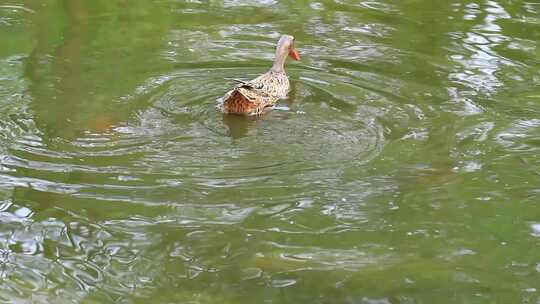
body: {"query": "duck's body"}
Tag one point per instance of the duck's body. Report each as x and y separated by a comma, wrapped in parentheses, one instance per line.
(256, 96)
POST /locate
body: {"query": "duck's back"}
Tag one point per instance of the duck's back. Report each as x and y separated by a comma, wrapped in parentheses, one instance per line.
(272, 83)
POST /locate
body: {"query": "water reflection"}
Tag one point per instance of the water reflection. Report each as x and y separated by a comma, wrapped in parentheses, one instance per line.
(483, 64)
(239, 125)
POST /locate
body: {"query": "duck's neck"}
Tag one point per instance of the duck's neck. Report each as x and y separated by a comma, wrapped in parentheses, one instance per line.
(279, 62)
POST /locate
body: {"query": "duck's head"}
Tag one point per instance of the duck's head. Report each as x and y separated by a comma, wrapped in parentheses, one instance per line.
(286, 47)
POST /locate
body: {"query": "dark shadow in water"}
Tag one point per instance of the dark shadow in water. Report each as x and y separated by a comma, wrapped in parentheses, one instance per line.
(72, 85)
(58, 86)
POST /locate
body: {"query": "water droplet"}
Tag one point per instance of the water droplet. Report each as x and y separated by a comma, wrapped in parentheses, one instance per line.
(535, 230)
(23, 212)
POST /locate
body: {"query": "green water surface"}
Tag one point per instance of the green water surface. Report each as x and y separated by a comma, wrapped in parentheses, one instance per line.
(403, 168)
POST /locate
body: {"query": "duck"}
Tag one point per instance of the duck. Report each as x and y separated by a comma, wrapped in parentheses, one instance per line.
(257, 96)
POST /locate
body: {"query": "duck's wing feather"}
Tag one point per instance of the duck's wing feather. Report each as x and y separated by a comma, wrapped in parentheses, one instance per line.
(247, 84)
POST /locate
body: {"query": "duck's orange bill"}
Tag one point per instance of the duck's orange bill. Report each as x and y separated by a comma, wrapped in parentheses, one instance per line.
(294, 54)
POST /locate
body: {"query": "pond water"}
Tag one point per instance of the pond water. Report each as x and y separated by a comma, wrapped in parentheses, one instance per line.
(403, 168)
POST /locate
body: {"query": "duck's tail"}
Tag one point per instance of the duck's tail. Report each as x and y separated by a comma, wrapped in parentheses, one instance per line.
(236, 102)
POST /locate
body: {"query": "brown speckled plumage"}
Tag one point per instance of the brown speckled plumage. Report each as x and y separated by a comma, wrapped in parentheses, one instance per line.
(256, 96)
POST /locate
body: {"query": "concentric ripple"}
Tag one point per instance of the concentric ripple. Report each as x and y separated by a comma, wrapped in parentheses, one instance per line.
(181, 141)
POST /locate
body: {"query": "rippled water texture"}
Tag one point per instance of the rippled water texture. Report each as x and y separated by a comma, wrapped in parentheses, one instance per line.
(403, 168)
